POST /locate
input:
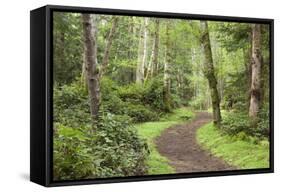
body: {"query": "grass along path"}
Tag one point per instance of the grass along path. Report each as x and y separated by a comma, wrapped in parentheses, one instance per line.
(157, 163)
(244, 154)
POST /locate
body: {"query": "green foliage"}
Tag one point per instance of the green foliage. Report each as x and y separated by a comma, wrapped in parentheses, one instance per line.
(112, 150)
(140, 113)
(242, 153)
(237, 123)
(153, 95)
(133, 93)
(199, 103)
(150, 94)
(262, 128)
(238, 101)
(127, 100)
(73, 158)
(118, 144)
(238, 35)
(111, 101)
(68, 47)
(234, 123)
(71, 105)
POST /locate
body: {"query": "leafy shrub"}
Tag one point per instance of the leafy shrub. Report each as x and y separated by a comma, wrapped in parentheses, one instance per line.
(234, 123)
(262, 129)
(72, 154)
(122, 152)
(150, 93)
(68, 95)
(176, 101)
(140, 113)
(133, 93)
(128, 100)
(112, 150)
(153, 95)
(71, 105)
(111, 101)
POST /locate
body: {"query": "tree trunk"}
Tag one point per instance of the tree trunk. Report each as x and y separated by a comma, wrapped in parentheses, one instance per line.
(83, 73)
(167, 79)
(156, 48)
(209, 72)
(247, 52)
(108, 45)
(256, 72)
(90, 35)
(142, 52)
(149, 70)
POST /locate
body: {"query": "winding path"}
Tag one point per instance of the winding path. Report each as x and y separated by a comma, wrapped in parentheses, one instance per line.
(178, 144)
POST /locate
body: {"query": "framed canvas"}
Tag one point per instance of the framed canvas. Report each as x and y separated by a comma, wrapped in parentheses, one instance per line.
(125, 95)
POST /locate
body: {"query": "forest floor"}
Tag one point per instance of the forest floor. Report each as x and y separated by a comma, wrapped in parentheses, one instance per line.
(179, 145)
(157, 163)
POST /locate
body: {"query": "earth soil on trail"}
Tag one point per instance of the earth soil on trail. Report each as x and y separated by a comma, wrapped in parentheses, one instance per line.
(178, 143)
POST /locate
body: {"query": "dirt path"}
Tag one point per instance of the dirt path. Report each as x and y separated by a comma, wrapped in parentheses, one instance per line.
(179, 145)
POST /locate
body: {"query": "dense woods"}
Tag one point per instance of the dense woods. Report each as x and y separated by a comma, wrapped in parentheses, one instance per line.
(114, 72)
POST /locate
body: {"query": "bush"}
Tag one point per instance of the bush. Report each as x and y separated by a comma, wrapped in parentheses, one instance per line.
(262, 129)
(127, 100)
(140, 113)
(234, 123)
(150, 93)
(72, 154)
(112, 150)
(133, 93)
(69, 95)
(153, 95)
(176, 101)
(71, 105)
(122, 152)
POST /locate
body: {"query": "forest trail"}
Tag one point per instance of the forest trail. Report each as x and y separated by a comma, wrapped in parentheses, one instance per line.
(178, 143)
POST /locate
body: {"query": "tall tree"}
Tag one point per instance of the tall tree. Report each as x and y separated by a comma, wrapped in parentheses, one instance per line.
(156, 48)
(108, 46)
(153, 62)
(94, 74)
(90, 41)
(209, 72)
(167, 70)
(256, 71)
(142, 51)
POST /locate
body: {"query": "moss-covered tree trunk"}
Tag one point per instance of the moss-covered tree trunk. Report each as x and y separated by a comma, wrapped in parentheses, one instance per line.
(90, 42)
(256, 72)
(209, 72)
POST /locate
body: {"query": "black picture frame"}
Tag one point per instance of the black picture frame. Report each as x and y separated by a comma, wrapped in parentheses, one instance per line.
(41, 90)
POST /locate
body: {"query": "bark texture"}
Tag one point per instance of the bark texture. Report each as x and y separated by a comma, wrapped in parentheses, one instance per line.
(90, 34)
(256, 72)
(209, 72)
